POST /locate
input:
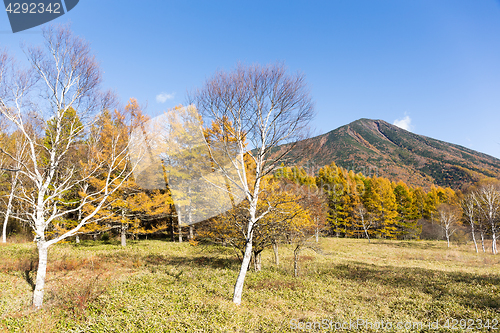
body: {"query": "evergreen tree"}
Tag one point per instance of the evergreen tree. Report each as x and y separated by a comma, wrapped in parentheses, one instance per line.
(334, 183)
(380, 201)
(407, 212)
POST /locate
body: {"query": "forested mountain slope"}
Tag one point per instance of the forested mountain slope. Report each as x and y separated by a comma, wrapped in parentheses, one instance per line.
(377, 147)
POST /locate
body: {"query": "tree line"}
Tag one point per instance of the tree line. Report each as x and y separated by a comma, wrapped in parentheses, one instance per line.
(376, 207)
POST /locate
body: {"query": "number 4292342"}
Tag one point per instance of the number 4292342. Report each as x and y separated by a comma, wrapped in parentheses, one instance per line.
(33, 8)
(471, 324)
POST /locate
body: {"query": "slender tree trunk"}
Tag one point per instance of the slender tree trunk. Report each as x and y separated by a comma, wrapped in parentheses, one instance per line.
(317, 235)
(40, 275)
(42, 246)
(365, 228)
(252, 260)
(366, 233)
(4, 230)
(238, 287)
(482, 241)
(276, 254)
(494, 244)
(447, 237)
(190, 219)
(124, 230)
(493, 240)
(257, 261)
(296, 254)
(123, 234)
(172, 229)
(474, 238)
(9, 209)
(240, 281)
(77, 239)
(179, 222)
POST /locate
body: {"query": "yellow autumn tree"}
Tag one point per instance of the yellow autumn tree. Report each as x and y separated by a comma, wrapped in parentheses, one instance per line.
(380, 201)
(131, 210)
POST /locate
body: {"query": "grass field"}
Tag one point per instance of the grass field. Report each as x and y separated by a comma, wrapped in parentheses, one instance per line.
(156, 286)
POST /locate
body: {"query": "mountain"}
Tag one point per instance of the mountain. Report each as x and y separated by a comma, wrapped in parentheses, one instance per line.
(375, 147)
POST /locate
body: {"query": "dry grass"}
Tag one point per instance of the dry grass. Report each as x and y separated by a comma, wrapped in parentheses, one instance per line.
(158, 286)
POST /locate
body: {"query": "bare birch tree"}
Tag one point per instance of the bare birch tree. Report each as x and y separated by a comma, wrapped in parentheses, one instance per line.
(366, 219)
(448, 218)
(53, 104)
(488, 201)
(19, 157)
(266, 106)
(469, 208)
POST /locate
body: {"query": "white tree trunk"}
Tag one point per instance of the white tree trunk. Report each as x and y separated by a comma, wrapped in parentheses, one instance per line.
(179, 222)
(367, 236)
(77, 238)
(474, 239)
(4, 230)
(296, 254)
(238, 287)
(276, 254)
(190, 220)
(482, 241)
(123, 230)
(447, 237)
(40, 275)
(9, 209)
(123, 235)
(365, 227)
(493, 241)
(470, 212)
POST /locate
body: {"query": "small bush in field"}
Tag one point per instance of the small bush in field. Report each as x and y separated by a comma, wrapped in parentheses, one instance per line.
(75, 295)
(105, 237)
(460, 237)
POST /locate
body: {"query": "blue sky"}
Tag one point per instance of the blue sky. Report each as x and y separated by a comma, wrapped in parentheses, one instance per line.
(433, 65)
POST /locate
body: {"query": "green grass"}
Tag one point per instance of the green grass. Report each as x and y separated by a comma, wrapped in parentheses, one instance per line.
(155, 286)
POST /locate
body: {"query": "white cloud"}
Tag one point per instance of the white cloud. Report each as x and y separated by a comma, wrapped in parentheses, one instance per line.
(404, 123)
(163, 97)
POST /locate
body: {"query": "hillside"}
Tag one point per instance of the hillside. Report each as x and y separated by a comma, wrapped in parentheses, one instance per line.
(377, 147)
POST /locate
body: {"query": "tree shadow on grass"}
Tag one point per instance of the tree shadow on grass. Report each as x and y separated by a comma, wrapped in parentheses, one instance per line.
(96, 243)
(412, 244)
(466, 289)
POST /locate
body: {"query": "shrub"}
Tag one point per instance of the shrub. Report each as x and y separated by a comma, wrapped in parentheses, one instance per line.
(460, 237)
(105, 237)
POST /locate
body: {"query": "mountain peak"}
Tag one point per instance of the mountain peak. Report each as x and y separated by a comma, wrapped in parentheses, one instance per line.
(376, 147)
